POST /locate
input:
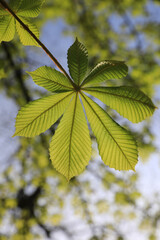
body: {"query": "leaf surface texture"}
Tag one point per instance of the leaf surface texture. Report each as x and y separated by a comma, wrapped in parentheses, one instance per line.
(51, 79)
(129, 102)
(25, 37)
(7, 28)
(23, 9)
(109, 69)
(37, 116)
(30, 8)
(77, 61)
(116, 145)
(70, 148)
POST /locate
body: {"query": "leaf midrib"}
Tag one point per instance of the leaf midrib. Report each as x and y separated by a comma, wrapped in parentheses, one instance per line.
(42, 114)
(116, 95)
(107, 130)
(6, 27)
(78, 61)
(71, 132)
(52, 81)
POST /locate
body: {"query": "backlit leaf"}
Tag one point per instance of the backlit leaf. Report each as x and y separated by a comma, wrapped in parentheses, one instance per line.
(25, 37)
(77, 61)
(3, 12)
(15, 5)
(22, 8)
(109, 69)
(70, 148)
(116, 145)
(30, 8)
(130, 102)
(37, 116)
(50, 79)
(7, 28)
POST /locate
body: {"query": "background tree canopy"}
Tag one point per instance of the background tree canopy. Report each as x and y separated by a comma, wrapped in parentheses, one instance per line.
(35, 201)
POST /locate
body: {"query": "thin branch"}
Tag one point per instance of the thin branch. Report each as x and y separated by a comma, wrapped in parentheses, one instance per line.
(7, 8)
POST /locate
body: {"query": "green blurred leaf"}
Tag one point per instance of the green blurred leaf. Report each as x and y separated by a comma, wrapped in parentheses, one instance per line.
(2, 73)
(7, 28)
(30, 8)
(23, 9)
(121, 198)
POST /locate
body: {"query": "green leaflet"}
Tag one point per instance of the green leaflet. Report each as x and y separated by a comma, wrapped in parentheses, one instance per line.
(30, 8)
(109, 69)
(3, 12)
(70, 148)
(130, 102)
(15, 4)
(77, 61)
(116, 145)
(24, 36)
(22, 8)
(37, 116)
(7, 28)
(51, 79)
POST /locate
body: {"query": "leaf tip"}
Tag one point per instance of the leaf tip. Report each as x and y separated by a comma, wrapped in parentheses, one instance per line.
(29, 73)
(14, 135)
(67, 178)
(133, 169)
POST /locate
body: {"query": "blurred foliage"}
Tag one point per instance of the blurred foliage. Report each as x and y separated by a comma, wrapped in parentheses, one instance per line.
(35, 201)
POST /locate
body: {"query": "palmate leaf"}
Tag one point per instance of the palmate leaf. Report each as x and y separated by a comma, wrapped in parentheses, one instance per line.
(116, 145)
(70, 148)
(51, 79)
(109, 69)
(23, 9)
(37, 116)
(77, 61)
(129, 102)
